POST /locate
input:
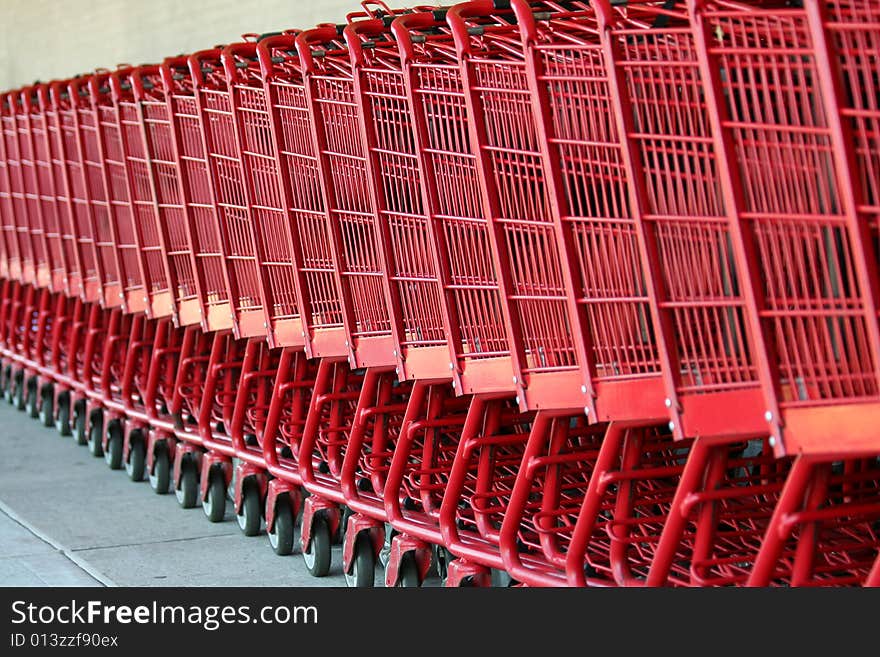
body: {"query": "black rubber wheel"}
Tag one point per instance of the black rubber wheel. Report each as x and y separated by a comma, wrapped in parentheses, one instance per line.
(160, 476)
(441, 560)
(281, 533)
(113, 453)
(317, 552)
(62, 418)
(30, 399)
(9, 388)
(96, 431)
(18, 396)
(251, 517)
(46, 411)
(501, 579)
(135, 465)
(79, 425)
(363, 566)
(214, 504)
(408, 573)
(188, 492)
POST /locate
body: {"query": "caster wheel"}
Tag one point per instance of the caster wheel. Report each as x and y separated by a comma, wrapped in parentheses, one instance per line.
(62, 419)
(18, 400)
(281, 534)
(363, 566)
(94, 442)
(160, 477)
(9, 388)
(113, 453)
(137, 460)
(46, 410)
(317, 552)
(79, 426)
(251, 517)
(214, 504)
(188, 492)
(30, 401)
(441, 559)
(408, 573)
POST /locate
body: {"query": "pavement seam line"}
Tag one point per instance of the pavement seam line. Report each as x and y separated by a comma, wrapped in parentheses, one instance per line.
(67, 552)
(160, 542)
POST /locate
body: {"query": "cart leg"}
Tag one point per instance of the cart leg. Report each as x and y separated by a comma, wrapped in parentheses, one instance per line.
(586, 521)
(808, 535)
(670, 538)
(774, 537)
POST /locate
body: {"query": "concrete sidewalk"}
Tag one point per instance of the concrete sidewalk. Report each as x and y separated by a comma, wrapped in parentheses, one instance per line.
(67, 520)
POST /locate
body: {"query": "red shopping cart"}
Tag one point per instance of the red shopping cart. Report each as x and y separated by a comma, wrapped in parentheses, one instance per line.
(635, 54)
(36, 162)
(823, 291)
(337, 463)
(270, 225)
(296, 193)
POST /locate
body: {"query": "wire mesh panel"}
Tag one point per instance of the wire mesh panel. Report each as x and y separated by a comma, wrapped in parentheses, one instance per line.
(705, 317)
(521, 231)
(418, 308)
(298, 164)
(854, 29)
(63, 200)
(44, 152)
(269, 220)
(87, 120)
(14, 225)
(37, 270)
(227, 183)
(142, 193)
(165, 173)
(478, 338)
(6, 203)
(83, 226)
(198, 196)
(781, 116)
(346, 185)
(128, 254)
(590, 204)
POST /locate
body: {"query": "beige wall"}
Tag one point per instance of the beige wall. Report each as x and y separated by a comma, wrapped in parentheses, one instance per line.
(45, 39)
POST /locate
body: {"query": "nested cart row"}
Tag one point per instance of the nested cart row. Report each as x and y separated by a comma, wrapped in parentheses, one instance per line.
(541, 292)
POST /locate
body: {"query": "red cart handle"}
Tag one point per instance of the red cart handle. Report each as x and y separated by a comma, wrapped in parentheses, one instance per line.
(232, 52)
(27, 99)
(170, 70)
(367, 12)
(403, 26)
(195, 63)
(43, 96)
(321, 34)
(284, 41)
(459, 13)
(137, 79)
